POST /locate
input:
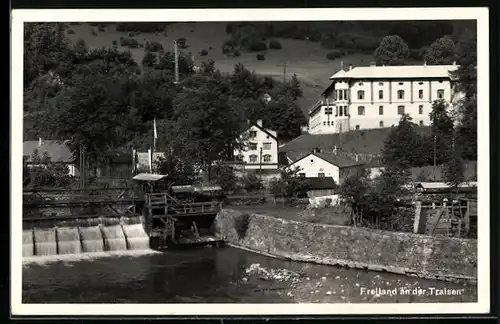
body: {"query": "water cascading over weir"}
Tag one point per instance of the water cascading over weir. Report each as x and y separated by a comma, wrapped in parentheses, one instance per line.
(66, 224)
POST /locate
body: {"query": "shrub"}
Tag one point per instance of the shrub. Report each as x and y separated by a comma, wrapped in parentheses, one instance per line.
(334, 54)
(255, 45)
(129, 42)
(115, 42)
(203, 52)
(274, 44)
(70, 31)
(236, 53)
(241, 225)
(153, 47)
(261, 57)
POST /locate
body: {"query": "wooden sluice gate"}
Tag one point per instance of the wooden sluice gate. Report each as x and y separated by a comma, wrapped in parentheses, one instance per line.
(174, 223)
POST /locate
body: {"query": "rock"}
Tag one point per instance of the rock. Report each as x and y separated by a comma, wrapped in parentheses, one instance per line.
(323, 278)
(328, 292)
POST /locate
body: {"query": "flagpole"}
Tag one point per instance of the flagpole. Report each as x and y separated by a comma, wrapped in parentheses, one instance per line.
(155, 134)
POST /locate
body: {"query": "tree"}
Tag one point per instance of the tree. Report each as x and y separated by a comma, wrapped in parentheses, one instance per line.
(401, 145)
(179, 171)
(453, 171)
(285, 117)
(251, 182)
(442, 130)
(149, 59)
(224, 176)
(294, 184)
(441, 52)
(466, 108)
(44, 172)
(210, 122)
(392, 51)
(294, 89)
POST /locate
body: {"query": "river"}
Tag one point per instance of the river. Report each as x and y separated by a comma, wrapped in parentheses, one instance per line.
(217, 275)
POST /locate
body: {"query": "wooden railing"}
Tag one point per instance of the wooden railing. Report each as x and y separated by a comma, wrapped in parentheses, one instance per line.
(193, 208)
(34, 196)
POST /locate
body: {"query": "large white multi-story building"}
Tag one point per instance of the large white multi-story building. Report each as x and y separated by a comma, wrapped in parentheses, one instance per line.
(372, 96)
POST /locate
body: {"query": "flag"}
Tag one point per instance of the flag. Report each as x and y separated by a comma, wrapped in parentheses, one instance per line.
(154, 129)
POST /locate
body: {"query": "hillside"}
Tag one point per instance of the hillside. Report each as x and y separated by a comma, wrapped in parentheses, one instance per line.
(303, 58)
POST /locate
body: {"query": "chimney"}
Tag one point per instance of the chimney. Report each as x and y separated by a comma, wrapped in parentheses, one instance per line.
(335, 149)
(341, 65)
(40, 142)
(350, 67)
(372, 64)
(259, 122)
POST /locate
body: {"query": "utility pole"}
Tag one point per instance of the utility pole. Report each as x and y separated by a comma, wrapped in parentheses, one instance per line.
(435, 139)
(284, 72)
(260, 165)
(176, 52)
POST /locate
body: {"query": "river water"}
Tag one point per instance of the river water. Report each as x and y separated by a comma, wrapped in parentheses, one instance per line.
(216, 275)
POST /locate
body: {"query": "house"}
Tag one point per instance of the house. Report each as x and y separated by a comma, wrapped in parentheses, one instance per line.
(369, 97)
(315, 164)
(320, 187)
(147, 162)
(58, 151)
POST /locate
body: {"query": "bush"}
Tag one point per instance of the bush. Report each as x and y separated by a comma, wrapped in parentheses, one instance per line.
(255, 45)
(236, 53)
(70, 31)
(261, 57)
(144, 27)
(241, 225)
(251, 182)
(335, 54)
(203, 52)
(115, 42)
(274, 44)
(153, 47)
(129, 42)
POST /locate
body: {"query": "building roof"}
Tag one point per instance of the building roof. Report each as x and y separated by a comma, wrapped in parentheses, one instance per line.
(318, 183)
(57, 150)
(368, 141)
(332, 158)
(267, 131)
(396, 72)
(148, 177)
(442, 185)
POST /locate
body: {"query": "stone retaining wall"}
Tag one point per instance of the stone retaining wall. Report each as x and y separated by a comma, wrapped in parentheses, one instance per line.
(404, 253)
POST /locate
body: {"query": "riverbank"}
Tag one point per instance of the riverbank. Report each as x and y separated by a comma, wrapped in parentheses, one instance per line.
(448, 259)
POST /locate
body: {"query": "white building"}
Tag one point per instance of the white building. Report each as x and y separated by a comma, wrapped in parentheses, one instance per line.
(376, 96)
(260, 149)
(331, 165)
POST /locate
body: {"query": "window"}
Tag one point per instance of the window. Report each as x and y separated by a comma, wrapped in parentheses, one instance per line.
(440, 94)
(346, 95)
(341, 97)
(360, 84)
(401, 110)
(357, 127)
(267, 158)
(324, 123)
(312, 160)
(420, 109)
(420, 94)
(440, 81)
(346, 113)
(420, 83)
(303, 175)
(381, 94)
(401, 94)
(253, 134)
(253, 158)
(266, 146)
(380, 110)
(341, 111)
(380, 83)
(361, 95)
(252, 146)
(361, 110)
(321, 175)
(400, 83)
(421, 123)
(381, 123)
(239, 157)
(328, 110)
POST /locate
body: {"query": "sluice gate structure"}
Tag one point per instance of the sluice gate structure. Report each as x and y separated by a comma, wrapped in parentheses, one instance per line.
(112, 219)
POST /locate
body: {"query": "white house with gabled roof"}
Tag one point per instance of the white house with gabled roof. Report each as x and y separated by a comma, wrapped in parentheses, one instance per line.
(368, 97)
(260, 148)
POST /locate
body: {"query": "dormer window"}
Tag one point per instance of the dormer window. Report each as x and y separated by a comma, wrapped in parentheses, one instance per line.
(253, 134)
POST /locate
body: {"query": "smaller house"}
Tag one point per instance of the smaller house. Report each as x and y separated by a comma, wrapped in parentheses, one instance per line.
(58, 152)
(320, 187)
(331, 165)
(260, 148)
